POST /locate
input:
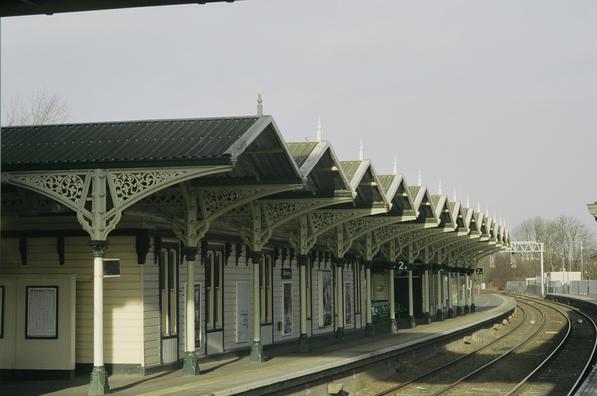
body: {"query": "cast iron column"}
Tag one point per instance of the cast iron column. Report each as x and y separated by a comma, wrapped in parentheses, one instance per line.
(303, 339)
(256, 346)
(369, 329)
(98, 382)
(411, 310)
(191, 363)
(393, 323)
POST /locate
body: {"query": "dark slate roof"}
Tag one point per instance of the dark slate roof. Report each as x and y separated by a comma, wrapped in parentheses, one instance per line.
(128, 143)
(21, 7)
(350, 168)
(386, 182)
(301, 151)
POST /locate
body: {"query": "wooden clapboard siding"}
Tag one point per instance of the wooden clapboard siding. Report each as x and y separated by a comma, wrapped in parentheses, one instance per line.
(151, 313)
(123, 313)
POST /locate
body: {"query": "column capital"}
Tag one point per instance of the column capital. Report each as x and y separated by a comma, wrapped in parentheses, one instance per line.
(256, 257)
(98, 247)
(339, 261)
(302, 259)
(189, 252)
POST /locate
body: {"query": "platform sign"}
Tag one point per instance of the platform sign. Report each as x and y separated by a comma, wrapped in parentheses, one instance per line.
(111, 268)
(242, 311)
(42, 312)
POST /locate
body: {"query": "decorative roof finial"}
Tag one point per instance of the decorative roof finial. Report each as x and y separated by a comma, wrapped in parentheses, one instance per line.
(395, 165)
(486, 210)
(259, 103)
(420, 179)
(468, 201)
(454, 194)
(478, 206)
(439, 187)
(361, 151)
(318, 134)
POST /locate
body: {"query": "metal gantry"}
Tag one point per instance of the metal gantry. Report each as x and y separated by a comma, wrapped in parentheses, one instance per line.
(530, 247)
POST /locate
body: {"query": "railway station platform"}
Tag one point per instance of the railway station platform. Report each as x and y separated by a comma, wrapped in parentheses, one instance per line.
(233, 374)
(589, 386)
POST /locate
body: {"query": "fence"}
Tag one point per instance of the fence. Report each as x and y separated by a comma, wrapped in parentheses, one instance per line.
(573, 287)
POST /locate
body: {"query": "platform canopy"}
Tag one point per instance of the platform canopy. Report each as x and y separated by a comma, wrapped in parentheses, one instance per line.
(48, 7)
(593, 209)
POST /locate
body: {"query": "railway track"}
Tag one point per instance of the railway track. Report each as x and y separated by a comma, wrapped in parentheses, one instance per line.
(534, 357)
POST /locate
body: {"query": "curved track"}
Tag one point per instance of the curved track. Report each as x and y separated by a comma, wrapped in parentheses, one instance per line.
(520, 361)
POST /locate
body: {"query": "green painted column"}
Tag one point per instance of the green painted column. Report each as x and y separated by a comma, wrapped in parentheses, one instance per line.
(473, 276)
(256, 346)
(411, 309)
(303, 261)
(98, 381)
(427, 298)
(450, 295)
(369, 329)
(393, 322)
(466, 295)
(191, 362)
(458, 295)
(339, 300)
(439, 314)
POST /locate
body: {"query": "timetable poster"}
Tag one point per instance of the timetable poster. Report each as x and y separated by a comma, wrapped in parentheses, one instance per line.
(42, 312)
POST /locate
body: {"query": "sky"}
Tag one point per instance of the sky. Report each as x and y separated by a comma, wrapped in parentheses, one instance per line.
(495, 98)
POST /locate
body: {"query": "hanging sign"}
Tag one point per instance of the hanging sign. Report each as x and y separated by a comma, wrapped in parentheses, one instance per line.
(286, 273)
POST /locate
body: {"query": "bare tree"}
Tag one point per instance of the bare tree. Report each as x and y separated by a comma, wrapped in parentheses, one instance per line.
(40, 110)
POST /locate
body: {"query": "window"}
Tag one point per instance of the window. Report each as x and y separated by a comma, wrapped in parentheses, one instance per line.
(213, 288)
(168, 287)
(265, 287)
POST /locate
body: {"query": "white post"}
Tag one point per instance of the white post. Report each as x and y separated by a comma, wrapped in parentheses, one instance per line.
(458, 295)
(339, 301)
(393, 324)
(303, 338)
(98, 384)
(440, 304)
(98, 312)
(191, 364)
(542, 276)
(369, 330)
(256, 346)
(466, 294)
(427, 298)
(450, 296)
(411, 311)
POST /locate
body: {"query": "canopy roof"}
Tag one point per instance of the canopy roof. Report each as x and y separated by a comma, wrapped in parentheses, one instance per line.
(28, 7)
(137, 143)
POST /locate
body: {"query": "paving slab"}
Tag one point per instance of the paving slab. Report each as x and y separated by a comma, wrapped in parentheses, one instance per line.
(236, 374)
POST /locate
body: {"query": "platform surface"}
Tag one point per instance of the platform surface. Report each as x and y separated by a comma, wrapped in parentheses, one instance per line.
(589, 386)
(235, 374)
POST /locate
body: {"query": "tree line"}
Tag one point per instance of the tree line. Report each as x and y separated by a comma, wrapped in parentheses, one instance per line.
(569, 245)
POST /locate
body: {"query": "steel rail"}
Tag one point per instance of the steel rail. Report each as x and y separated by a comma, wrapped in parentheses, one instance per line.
(505, 354)
(447, 364)
(560, 345)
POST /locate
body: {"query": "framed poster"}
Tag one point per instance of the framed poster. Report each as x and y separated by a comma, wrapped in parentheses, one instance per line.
(41, 317)
(326, 298)
(287, 293)
(242, 311)
(197, 298)
(348, 303)
(1, 311)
